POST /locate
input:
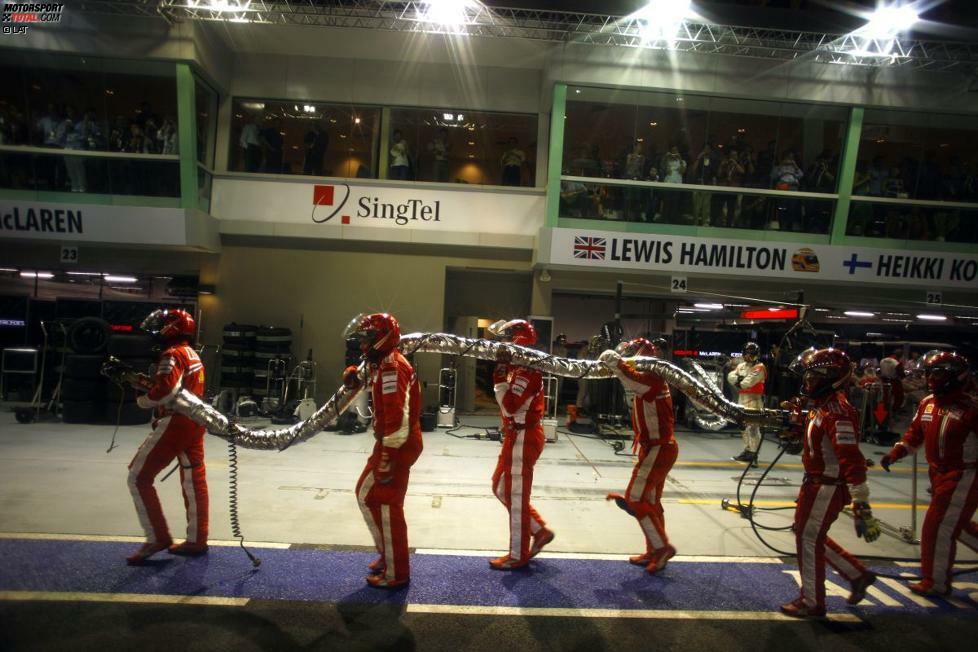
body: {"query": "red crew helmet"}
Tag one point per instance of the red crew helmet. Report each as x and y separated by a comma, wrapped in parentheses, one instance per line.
(637, 346)
(822, 371)
(946, 371)
(378, 334)
(517, 331)
(170, 324)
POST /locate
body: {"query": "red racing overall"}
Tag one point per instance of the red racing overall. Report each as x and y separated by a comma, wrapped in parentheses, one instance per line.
(653, 424)
(173, 436)
(384, 481)
(834, 466)
(519, 392)
(947, 427)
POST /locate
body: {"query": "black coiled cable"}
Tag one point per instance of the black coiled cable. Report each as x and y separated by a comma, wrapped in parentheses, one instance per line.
(747, 512)
(233, 500)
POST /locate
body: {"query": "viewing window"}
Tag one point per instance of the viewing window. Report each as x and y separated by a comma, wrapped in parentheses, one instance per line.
(304, 137)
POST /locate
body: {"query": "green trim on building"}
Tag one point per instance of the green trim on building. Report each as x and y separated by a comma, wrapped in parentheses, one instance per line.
(915, 245)
(558, 113)
(847, 172)
(187, 135)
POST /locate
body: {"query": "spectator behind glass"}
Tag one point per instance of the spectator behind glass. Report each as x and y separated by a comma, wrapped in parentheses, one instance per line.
(72, 134)
(400, 164)
(731, 173)
(787, 176)
(704, 172)
(512, 161)
(250, 141)
(672, 169)
(820, 177)
(439, 148)
(893, 186)
(635, 162)
(878, 174)
(118, 134)
(272, 143)
(765, 164)
(316, 143)
(47, 127)
(166, 135)
(137, 143)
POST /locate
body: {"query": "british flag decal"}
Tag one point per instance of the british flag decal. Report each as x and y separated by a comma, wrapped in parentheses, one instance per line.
(588, 248)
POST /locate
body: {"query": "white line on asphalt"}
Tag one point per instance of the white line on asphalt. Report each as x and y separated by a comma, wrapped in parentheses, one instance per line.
(142, 598)
(661, 614)
(43, 536)
(600, 556)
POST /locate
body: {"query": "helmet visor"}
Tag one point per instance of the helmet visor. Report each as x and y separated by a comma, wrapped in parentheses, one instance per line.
(154, 321)
(358, 330)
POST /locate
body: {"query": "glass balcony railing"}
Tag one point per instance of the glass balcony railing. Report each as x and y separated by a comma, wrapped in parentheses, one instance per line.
(695, 205)
(41, 169)
(913, 220)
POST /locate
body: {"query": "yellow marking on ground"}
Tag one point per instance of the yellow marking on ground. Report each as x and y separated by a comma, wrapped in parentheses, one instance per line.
(128, 598)
(788, 465)
(785, 503)
(660, 614)
(600, 556)
(121, 538)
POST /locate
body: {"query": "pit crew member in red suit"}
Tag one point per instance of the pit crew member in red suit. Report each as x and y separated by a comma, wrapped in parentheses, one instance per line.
(173, 436)
(653, 424)
(946, 425)
(397, 430)
(519, 392)
(835, 474)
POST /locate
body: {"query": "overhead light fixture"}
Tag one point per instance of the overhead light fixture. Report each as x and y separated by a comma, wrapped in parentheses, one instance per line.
(709, 306)
(83, 274)
(8, 269)
(658, 23)
(452, 15)
(653, 124)
(459, 117)
(888, 22)
(356, 121)
(821, 310)
(577, 90)
(448, 116)
(895, 321)
(110, 278)
(929, 317)
(205, 289)
(874, 334)
(36, 275)
(858, 313)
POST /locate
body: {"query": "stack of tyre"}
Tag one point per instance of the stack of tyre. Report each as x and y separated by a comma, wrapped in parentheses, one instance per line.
(82, 385)
(271, 343)
(137, 350)
(237, 358)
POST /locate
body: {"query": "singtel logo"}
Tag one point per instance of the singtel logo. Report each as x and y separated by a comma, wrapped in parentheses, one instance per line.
(371, 207)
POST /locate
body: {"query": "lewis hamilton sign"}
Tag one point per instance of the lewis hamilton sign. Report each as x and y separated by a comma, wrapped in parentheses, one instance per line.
(751, 258)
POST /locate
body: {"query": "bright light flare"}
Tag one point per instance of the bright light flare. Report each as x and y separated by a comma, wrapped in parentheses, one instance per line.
(932, 317)
(858, 313)
(660, 21)
(888, 22)
(453, 15)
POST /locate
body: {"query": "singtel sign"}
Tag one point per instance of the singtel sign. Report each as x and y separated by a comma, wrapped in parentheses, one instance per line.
(326, 206)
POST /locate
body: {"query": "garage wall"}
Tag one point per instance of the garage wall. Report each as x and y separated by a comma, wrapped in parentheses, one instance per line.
(317, 292)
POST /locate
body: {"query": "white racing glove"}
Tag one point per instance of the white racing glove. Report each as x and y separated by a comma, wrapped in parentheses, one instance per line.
(610, 359)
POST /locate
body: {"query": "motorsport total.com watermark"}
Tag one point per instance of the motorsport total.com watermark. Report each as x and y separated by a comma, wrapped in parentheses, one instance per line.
(18, 17)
